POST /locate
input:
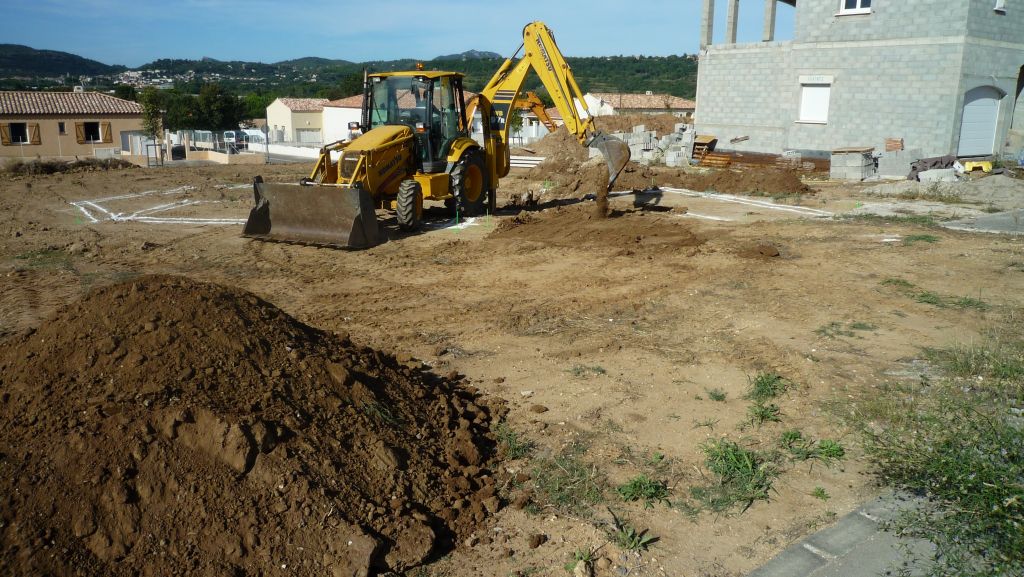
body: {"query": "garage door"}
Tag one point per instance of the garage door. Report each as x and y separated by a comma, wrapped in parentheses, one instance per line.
(978, 129)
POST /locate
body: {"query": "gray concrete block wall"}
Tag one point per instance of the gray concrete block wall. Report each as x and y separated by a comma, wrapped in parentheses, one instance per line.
(984, 22)
(741, 92)
(986, 65)
(817, 20)
(881, 96)
(901, 71)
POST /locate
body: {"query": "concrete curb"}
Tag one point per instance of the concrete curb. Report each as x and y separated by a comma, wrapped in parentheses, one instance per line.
(856, 546)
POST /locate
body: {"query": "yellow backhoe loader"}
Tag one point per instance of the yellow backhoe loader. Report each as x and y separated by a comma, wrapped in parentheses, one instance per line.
(416, 145)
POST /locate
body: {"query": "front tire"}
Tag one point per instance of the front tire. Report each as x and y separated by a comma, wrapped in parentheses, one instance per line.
(409, 205)
(469, 183)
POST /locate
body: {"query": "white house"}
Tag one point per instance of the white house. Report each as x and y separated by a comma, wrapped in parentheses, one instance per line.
(338, 113)
(607, 103)
(298, 120)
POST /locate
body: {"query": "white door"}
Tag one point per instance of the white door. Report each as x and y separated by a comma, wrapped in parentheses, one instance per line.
(978, 128)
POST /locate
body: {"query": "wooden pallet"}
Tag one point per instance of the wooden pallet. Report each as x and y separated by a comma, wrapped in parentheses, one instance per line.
(715, 160)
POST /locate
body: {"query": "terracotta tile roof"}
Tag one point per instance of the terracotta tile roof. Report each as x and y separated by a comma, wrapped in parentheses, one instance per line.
(350, 102)
(29, 103)
(304, 104)
(553, 113)
(645, 101)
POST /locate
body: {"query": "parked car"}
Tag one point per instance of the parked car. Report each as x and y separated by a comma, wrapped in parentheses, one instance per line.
(234, 138)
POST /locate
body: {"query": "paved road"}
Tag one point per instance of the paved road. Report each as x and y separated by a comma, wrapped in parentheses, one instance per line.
(856, 546)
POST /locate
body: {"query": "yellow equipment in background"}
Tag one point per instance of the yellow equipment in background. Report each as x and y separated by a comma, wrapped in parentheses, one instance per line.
(530, 101)
(416, 146)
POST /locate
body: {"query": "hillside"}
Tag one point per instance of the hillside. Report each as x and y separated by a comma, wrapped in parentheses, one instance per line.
(18, 60)
(334, 78)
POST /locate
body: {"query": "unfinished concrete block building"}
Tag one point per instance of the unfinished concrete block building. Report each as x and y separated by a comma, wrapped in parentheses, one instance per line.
(946, 76)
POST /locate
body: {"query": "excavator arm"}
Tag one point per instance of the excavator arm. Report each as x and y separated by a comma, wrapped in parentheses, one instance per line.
(542, 56)
(530, 101)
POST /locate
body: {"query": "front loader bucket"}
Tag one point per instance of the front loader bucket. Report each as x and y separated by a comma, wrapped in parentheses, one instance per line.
(324, 215)
(616, 154)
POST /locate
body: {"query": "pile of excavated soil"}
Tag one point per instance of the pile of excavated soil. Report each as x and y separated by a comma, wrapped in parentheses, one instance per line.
(170, 427)
(756, 181)
(577, 226)
(593, 175)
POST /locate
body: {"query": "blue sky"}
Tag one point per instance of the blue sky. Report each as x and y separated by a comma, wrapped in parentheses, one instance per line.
(135, 32)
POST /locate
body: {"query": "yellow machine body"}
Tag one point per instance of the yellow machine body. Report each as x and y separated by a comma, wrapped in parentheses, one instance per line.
(416, 146)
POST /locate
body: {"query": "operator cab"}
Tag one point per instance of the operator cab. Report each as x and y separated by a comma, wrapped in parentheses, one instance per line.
(430, 103)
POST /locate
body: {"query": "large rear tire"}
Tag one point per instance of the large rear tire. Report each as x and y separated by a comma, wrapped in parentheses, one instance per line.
(469, 184)
(409, 205)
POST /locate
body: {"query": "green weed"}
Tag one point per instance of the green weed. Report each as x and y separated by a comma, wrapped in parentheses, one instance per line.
(837, 329)
(959, 439)
(45, 259)
(628, 538)
(930, 298)
(579, 556)
(914, 219)
(512, 445)
(829, 451)
(708, 422)
(821, 493)
(928, 238)
(766, 386)
(935, 192)
(716, 395)
(568, 483)
(583, 371)
(743, 476)
(801, 448)
(970, 303)
(380, 412)
(644, 488)
(898, 282)
(760, 413)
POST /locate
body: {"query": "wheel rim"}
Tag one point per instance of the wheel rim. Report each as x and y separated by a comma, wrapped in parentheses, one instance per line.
(473, 183)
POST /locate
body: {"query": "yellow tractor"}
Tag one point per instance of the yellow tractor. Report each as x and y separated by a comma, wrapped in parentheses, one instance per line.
(416, 145)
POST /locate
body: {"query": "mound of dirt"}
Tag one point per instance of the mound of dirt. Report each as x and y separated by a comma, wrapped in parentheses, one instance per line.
(167, 427)
(756, 181)
(578, 226)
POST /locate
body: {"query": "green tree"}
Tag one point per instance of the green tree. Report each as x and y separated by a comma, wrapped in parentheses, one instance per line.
(515, 120)
(255, 104)
(181, 111)
(152, 105)
(218, 108)
(126, 92)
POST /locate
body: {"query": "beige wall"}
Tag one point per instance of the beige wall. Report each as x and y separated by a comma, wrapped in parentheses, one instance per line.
(280, 117)
(53, 144)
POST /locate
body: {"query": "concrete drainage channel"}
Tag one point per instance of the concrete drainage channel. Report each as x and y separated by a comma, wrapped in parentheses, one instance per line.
(856, 546)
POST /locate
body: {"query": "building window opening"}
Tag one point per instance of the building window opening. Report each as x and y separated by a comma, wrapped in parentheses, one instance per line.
(814, 101)
(61, 128)
(19, 133)
(855, 7)
(92, 132)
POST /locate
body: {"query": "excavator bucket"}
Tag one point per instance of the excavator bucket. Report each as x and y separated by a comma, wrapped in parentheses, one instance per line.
(616, 154)
(313, 214)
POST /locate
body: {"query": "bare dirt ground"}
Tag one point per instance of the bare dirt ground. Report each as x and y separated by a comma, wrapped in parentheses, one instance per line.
(603, 336)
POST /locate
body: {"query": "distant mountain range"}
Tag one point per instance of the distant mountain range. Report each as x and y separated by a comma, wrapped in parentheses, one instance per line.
(22, 67)
(17, 60)
(471, 55)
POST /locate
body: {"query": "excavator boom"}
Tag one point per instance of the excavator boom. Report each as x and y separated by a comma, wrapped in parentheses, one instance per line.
(542, 56)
